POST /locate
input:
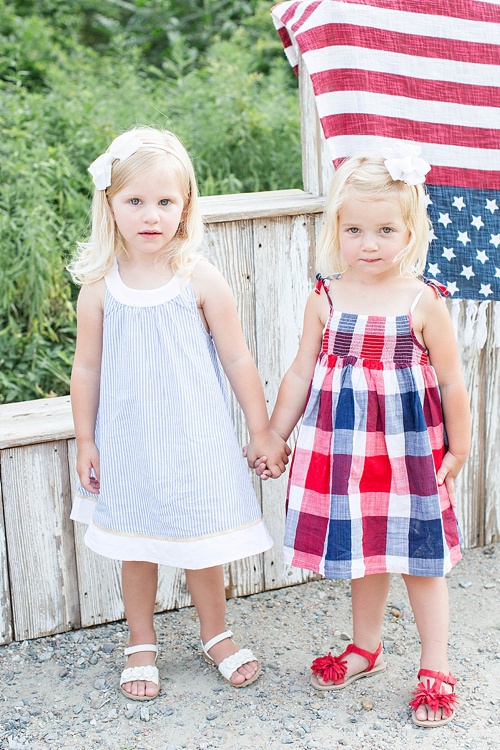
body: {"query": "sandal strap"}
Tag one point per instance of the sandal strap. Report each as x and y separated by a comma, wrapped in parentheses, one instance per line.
(216, 639)
(230, 664)
(142, 647)
(439, 677)
(370, 657)
(142, 674)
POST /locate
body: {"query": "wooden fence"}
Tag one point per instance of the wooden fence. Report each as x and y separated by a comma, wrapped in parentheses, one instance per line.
(264, 244)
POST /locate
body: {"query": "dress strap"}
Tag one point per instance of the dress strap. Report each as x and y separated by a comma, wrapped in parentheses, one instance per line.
(416, 301)
(323, 282)
(440, 289)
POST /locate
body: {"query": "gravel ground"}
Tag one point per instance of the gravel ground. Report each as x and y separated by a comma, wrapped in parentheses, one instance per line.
(61, 691)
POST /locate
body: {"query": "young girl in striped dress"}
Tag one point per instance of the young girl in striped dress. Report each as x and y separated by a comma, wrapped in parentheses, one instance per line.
(161, 472)
(385, 423)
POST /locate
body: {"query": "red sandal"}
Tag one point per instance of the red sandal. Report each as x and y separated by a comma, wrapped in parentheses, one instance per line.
(333, 668)
(432, 696)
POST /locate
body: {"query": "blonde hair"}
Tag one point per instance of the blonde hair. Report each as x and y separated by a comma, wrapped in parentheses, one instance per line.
(161, 150)
(365, 177)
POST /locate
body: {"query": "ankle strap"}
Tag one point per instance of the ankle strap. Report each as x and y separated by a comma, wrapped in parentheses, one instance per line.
(440, 677)
(371, 658)
(216, 639)
(142, 647)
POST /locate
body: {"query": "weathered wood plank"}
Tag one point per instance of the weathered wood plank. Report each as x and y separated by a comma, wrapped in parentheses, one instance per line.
(40, 543)
(6, 630)
(230, 247)
(99, 579)
(247, 206)
(492, 438)
(470, 481)
(38, 421)
(317, 167)
(283, 261)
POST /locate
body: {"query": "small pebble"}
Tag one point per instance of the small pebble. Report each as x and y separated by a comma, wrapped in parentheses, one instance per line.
(345, 637)
(367, 704)
(144, 713)
(465, 584)
(395, 612)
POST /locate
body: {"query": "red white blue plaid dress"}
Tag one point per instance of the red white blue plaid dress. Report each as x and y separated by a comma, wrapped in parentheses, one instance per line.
(362, 494)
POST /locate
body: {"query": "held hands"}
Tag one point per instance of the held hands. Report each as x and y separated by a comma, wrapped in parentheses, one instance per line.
(447, 473)
(88, 466)
(268, 453)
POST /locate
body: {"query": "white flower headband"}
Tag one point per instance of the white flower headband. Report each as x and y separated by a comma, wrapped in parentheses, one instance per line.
(121, 148)
(403, 163)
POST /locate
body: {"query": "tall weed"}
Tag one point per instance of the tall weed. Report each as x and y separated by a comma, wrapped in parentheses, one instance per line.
(62, 102)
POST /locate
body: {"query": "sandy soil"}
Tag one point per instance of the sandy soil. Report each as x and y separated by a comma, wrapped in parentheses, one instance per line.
(60, 692)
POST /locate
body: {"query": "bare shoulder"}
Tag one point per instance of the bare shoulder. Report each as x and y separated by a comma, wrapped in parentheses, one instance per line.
(92, 295)
(207, 279)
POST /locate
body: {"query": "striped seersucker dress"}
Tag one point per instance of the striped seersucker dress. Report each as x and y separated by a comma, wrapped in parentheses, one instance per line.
(174, 489)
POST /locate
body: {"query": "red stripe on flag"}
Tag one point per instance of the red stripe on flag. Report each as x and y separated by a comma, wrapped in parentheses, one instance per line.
(349, 79)
(455, 176)
(473, 10)
(416, 45)
(479, 179)
(354, 123)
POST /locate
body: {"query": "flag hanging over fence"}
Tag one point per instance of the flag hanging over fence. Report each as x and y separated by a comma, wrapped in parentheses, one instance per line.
(427, 72)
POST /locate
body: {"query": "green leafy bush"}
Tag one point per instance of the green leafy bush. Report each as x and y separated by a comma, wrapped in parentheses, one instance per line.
(73, 75)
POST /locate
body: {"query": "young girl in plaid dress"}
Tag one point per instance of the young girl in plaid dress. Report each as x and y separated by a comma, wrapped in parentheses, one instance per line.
(385, 423)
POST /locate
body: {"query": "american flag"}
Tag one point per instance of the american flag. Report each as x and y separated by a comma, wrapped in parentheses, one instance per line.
(427, 72)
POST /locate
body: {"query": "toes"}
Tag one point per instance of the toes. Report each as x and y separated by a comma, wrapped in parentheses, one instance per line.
(244, 673)
(139, 688)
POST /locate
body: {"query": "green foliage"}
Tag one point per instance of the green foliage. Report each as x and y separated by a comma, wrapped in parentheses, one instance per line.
(76, 73)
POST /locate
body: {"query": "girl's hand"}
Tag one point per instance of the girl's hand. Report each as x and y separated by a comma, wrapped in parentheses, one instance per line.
(447, 473)
(259, 465)
(268, 453)
(88, 467)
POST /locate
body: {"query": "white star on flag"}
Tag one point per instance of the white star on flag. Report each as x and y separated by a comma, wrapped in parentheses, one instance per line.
(434, 269)
(458, 202)
(428, 201)
(491, 206)
(481, 255)
(432, 236)
(497, 273)
(444, 219)
(467, 272)
(463, 237)
(485, 289)
(495, 240)
(448, 253)
(452, 287)
(477, 222)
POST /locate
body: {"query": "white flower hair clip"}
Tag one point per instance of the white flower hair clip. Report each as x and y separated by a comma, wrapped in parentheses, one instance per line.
(403, 162)
(122, 147)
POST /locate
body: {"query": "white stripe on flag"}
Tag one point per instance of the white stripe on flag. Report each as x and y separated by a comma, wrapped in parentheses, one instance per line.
(438, 155)
(386, 105)
(421, 24)
(361, 58)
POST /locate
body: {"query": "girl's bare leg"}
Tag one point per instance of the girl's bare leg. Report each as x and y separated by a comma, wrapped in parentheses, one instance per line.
(206, 587)
(368, 596)
(139, 585)
(429, 602)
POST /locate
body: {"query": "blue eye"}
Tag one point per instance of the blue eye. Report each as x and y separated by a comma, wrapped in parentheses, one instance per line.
(387, 230)
(353, 230)
(164, 202)
(134, 201)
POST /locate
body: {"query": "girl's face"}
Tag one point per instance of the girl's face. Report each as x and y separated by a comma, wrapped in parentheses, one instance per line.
(147, 213)
(372, 233)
